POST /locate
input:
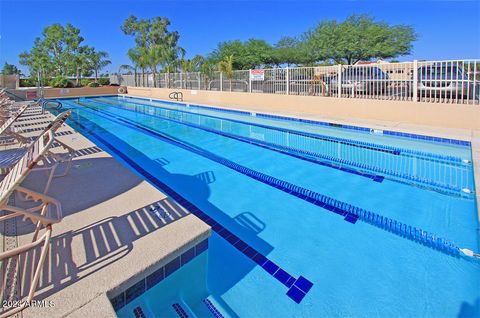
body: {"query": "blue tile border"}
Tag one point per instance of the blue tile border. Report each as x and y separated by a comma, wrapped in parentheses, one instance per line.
(342, 208)
(72, 98)
(157, 276)
(320, 123)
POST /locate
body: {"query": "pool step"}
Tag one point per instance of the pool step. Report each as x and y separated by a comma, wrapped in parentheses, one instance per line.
(138, 312)
(213, 307)
(183, 310)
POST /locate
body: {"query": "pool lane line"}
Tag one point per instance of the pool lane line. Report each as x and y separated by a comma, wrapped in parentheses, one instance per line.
(382, 173)
(297, 287)
(355, 143)
(307, 121)
(285, 130)
(351, 213)
(263, 144)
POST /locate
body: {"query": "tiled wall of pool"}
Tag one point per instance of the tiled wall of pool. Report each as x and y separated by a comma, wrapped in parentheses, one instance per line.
(151, 280)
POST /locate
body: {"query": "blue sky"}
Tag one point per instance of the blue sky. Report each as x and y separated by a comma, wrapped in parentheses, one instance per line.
(447, 29)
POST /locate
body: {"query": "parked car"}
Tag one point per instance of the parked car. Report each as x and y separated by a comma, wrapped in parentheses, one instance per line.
(446, 80)
(360, 80)
(306, 84)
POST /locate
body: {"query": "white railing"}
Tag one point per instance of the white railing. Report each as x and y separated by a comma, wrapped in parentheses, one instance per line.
(454, 81)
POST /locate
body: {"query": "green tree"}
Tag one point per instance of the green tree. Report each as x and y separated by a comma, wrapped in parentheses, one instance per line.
(139, 60)
(60, 52)
(10, 69)
(290, 50)
(192, 65)
(208, 69)
(155, 44)
(250, 54)
(54, 43)
(38, 61)
(226, 67)
(98, 60)
(126, 69)
(357, 38)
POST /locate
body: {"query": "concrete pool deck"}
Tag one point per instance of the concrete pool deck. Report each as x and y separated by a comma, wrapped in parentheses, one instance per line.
(108, 239)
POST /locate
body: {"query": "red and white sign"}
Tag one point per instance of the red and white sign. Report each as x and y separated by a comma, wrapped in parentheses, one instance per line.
(30, 95)
(257, 75)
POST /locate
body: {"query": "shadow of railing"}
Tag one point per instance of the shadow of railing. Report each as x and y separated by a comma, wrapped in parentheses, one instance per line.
(77, 254)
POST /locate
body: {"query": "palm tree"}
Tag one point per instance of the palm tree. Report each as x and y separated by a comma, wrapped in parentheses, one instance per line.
(128, 69)
(192, 65)
(81, 61)
(226, 66)
(207, 68)
(98, 61)
(139, 58)
(125, 68)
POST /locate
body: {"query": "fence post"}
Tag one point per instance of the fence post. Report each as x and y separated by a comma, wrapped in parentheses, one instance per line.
(221, 81)
(287, 79)
(339, 81)
(199, 82)
(249, 81)
(415, 81)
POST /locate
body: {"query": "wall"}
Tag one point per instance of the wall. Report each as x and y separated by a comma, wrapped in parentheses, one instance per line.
(9, 81)
(82, 91)
(431, 114)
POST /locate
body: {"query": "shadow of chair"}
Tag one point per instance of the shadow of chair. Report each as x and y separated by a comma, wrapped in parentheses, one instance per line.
(102, 243)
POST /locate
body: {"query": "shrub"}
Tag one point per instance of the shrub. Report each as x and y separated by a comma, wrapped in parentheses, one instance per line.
(28, 82)
(93, 84)
(61, 82)
(104, 81)
(85, 82)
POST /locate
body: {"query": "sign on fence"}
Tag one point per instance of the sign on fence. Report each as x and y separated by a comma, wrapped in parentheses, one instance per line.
(30, 95)
(257, 75)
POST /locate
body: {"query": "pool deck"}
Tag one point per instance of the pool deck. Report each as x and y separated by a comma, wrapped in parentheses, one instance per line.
(108, 239)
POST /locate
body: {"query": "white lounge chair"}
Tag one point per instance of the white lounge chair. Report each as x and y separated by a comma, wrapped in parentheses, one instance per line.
(51, 161)
(6, 133)
(46, 212)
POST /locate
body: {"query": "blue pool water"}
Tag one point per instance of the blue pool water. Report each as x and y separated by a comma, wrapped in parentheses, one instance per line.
(374, 222)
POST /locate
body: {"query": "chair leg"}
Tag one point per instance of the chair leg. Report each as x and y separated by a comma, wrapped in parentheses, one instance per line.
(38, 271)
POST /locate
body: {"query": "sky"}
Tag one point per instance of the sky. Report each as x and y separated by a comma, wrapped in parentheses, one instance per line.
(446, 29)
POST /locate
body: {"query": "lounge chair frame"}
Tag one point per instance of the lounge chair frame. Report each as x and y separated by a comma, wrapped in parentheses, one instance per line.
(41, 214)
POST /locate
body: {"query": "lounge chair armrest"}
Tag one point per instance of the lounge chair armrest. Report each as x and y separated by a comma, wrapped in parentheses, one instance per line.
(65, 146)
(36, 196)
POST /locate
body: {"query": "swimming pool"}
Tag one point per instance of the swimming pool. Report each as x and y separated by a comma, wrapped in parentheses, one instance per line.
(309, 219)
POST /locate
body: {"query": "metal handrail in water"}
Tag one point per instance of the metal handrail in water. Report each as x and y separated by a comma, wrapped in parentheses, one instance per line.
(178, 96)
